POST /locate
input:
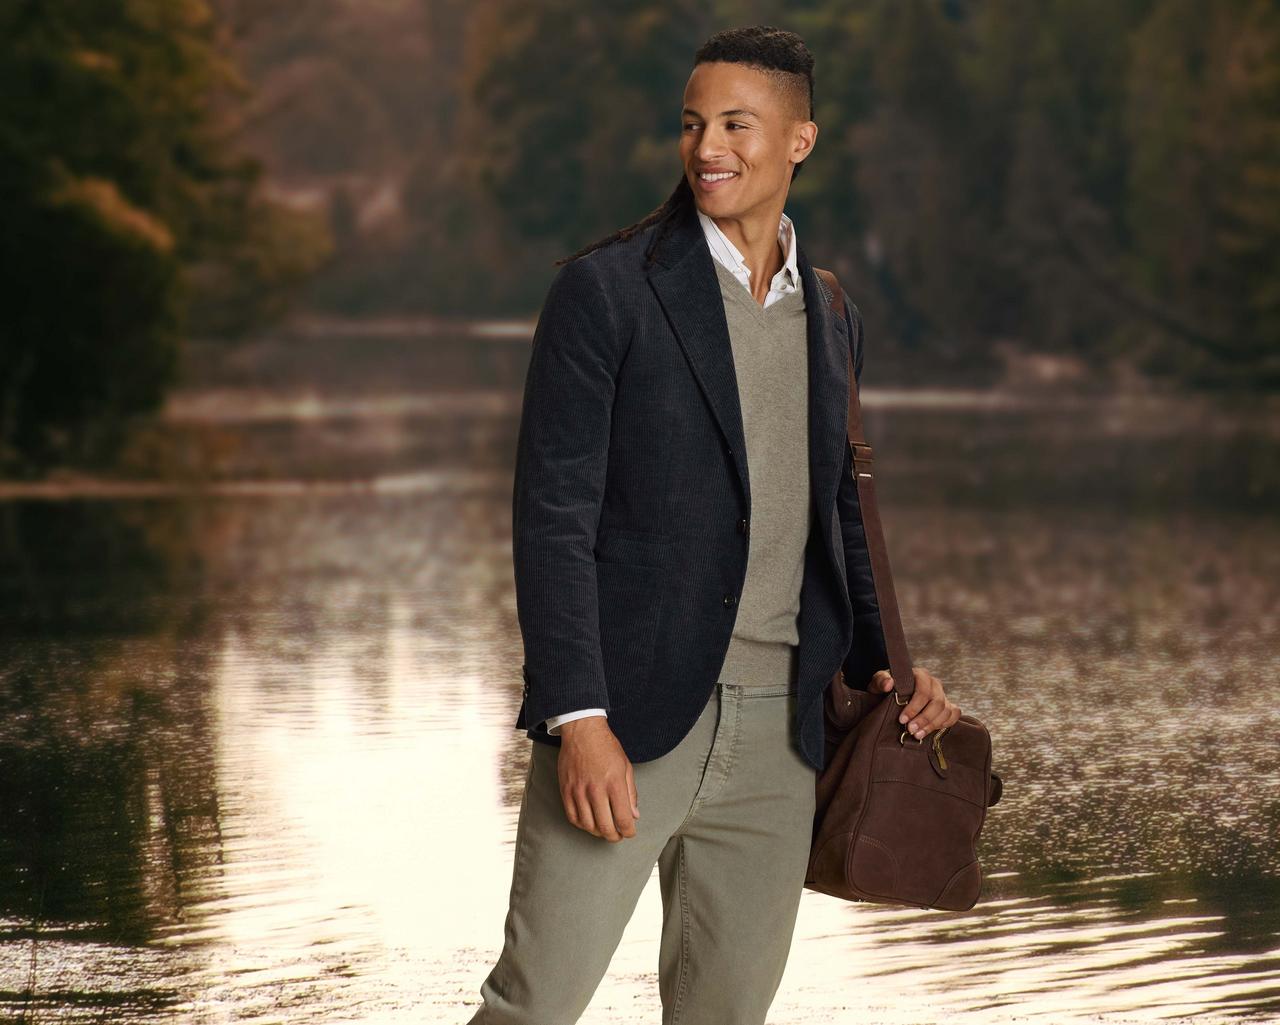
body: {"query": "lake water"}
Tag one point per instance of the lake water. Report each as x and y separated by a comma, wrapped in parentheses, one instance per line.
(257, 760)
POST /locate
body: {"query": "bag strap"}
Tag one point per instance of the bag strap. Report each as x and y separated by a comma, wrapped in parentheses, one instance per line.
(904, 681)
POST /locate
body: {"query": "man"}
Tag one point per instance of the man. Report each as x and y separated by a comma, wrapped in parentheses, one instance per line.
(691, 571)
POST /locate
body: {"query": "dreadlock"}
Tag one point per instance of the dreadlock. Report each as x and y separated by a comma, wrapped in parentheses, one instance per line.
(780, 54)
(679, 199)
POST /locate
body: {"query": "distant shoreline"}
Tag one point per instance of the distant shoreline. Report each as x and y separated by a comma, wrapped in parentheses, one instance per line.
(184, 451)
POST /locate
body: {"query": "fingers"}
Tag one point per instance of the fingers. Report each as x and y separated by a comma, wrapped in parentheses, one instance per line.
(602, 811)
(577, 809)
(624, 811)
(881, 680)
(609, 813)
(635, 794)
(919, 699)
(928, 708)
(929, 718)
(602, 802)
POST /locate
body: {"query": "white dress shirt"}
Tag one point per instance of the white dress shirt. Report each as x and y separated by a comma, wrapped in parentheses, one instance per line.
(786, 281)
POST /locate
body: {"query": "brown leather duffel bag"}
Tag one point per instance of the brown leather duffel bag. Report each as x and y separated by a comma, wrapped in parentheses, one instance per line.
(897, 819)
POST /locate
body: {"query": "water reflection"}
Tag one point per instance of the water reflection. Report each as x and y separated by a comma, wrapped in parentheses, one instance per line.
(257, 761)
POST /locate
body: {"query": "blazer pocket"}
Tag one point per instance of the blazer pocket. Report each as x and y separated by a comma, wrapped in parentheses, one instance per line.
(631, 598)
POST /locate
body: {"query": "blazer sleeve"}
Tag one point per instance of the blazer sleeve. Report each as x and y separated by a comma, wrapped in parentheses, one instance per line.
(868, 653)
(561, 459)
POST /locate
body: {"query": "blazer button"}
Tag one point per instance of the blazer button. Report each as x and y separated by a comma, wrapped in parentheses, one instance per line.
(730, 601)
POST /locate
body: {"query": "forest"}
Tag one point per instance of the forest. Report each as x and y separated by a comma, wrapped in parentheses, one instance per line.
(1091, 183)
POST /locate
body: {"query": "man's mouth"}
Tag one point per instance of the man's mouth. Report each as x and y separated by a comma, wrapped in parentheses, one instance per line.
(713, 181)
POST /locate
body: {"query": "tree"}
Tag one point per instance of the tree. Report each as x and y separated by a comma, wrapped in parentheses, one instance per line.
(118, 173)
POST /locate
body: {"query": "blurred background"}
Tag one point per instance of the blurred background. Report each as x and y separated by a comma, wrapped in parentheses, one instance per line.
(268, 277)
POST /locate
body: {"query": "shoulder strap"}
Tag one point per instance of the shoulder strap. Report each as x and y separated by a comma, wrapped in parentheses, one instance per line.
(894, 639)
(837, 293)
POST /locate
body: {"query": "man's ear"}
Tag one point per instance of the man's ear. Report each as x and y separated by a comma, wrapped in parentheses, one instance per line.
(805, 139)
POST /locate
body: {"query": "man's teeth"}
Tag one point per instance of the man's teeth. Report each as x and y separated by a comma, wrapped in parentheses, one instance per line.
(719, 176)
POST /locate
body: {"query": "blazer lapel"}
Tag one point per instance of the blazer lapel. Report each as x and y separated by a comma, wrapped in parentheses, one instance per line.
(689, 291)
(685, 282)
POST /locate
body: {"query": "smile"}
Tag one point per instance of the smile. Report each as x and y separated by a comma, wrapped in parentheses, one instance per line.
(715, 180)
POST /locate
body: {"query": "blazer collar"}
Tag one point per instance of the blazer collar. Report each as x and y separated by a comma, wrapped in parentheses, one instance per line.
(685, 281)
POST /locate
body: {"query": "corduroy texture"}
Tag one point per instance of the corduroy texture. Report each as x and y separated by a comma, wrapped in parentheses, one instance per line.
(630, 490)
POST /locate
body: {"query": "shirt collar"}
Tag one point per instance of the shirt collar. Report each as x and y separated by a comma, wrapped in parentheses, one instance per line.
(729, 255)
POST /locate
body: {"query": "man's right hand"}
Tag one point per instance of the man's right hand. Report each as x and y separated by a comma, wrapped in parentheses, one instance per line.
(597, 784)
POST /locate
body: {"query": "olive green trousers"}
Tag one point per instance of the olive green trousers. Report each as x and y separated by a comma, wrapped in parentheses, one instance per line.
(727, 815)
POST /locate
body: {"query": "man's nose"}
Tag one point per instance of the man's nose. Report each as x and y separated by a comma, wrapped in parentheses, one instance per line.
(710, 146)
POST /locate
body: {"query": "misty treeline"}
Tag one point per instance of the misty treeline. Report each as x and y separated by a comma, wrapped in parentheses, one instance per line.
(1092, 180)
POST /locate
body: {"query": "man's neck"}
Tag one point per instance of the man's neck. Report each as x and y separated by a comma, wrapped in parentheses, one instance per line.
(756, 238)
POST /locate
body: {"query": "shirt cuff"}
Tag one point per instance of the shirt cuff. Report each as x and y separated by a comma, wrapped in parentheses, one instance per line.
(554, 721)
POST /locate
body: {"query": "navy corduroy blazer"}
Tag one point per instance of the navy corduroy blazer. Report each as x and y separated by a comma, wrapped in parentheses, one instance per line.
(631, 505)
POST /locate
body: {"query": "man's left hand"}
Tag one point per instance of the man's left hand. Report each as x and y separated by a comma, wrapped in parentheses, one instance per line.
(928, 709)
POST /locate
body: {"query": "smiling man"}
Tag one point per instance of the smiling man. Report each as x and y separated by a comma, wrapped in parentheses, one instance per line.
(691, 571)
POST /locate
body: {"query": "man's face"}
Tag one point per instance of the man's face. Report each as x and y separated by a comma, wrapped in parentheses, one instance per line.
(735, 119)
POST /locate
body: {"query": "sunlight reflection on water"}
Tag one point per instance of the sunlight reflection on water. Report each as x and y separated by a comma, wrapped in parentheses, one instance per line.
(257, 758)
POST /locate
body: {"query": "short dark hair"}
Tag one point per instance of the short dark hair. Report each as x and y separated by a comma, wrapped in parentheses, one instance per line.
(780, 54)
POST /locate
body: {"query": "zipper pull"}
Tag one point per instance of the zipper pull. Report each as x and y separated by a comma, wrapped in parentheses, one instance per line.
(937, 749)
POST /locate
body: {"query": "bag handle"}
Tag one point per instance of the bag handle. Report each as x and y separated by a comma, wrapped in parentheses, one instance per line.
(895, 641)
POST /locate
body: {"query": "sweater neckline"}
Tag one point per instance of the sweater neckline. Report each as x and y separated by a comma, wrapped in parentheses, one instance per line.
(733, 289)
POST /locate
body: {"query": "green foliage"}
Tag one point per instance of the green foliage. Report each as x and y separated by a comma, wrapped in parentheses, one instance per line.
(1203, 121)
(568, 158)
(90, 322)
(1086, 185)
(1092, 180)
(117, 173)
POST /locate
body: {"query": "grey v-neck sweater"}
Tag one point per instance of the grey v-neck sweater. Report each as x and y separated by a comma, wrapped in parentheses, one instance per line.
(770, 361)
